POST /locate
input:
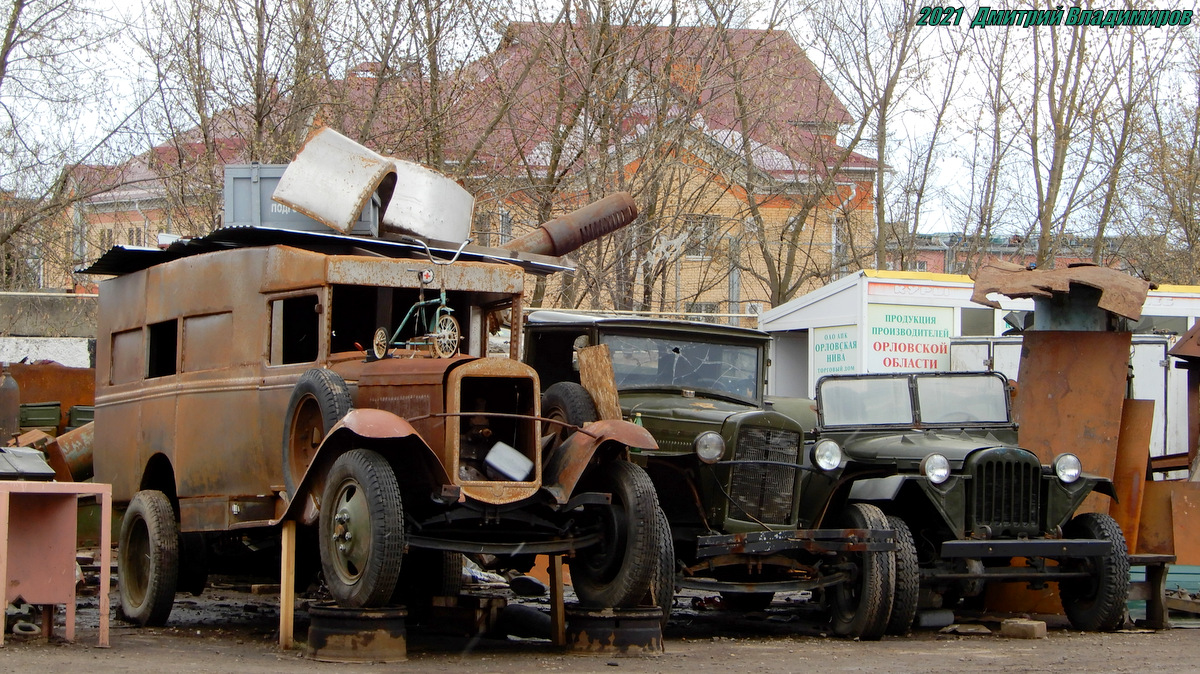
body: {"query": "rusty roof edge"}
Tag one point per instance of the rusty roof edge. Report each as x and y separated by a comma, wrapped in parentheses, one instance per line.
(120, 260)
(1120, 293)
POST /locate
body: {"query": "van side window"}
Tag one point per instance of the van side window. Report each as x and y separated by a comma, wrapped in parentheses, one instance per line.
(127, 358)
(295, 330)
(163, 349)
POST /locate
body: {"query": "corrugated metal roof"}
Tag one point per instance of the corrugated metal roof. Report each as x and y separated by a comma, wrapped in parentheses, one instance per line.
(121, 260)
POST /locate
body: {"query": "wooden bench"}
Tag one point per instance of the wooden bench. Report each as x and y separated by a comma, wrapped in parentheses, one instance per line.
(1153, 589)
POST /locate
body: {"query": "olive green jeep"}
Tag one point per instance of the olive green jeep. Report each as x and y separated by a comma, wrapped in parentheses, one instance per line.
(751, 510)
(969, 505)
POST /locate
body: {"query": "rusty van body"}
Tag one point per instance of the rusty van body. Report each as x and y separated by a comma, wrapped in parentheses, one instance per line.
(238, 384)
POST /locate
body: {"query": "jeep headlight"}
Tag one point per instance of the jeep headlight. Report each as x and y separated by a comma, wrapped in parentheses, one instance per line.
(936, 468)
(826, 454)
(709, 446)
(1067, 467)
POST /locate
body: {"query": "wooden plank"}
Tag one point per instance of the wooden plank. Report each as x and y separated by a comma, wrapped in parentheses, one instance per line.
(596, 375)
(287, 584)
(1129, 473)
(558, 624)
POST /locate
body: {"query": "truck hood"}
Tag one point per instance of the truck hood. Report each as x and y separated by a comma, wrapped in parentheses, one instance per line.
(675, 407)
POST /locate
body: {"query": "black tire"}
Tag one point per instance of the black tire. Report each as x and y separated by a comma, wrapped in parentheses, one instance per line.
(620, 571)
(1097, 604)
(568, 402)
(747, 601)
(908, 579)
(148, 559)
(662, 587)
(319, 400)
(361, 530)
(193, 563)
(861, 607)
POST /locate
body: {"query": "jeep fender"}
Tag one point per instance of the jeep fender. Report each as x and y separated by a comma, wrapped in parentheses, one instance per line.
(378, 430)
(612, 438)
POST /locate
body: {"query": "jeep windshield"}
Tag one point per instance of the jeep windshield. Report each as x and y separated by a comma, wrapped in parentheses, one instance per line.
(670, 362)
(911, 400)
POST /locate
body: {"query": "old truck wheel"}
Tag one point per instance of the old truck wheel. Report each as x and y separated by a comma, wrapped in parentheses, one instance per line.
(908, 579)
(361, 530)
(662, 587)
(1097, 603)
(569, 403)
(319, 399)
(861, 606)
(148, 559)
(747, 601)
(620, 570)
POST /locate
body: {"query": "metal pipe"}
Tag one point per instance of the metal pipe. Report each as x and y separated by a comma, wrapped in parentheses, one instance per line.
(567, 233)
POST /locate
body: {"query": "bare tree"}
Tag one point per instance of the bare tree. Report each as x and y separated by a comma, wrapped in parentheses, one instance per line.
(52, 83)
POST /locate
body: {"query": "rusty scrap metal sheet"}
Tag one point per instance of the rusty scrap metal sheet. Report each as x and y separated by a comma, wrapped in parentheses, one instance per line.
(1188, 346)
(1121, 293)
(813, 540)
(331, 179)
(468, 276)
(427, 204)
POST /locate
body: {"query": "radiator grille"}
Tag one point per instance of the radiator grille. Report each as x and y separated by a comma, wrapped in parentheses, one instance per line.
(1007, 491)
(766, 492)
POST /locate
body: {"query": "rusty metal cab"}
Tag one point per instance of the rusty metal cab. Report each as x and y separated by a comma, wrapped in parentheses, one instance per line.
(234, 390)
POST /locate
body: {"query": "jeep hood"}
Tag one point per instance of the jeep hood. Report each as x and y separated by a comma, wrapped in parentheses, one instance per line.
(915, 445)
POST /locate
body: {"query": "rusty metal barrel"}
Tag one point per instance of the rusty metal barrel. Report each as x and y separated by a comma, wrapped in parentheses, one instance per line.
(614, 631)
(339, 634)
(567, 233)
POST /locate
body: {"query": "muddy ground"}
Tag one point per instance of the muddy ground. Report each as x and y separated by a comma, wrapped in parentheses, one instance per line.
(229, 629)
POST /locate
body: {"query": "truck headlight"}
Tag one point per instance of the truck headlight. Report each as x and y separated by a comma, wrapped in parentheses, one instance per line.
(709, 446)
(936, 468)
(826, 454)
(1067, 467)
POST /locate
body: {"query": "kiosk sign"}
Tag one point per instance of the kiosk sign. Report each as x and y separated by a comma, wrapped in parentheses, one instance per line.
(835, 350)
(903, 338)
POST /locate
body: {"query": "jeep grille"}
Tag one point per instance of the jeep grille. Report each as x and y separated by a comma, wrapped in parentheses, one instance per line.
(1007, 492)
(765, 492)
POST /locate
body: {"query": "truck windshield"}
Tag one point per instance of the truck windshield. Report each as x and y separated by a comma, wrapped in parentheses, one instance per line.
(948, 400)
(673, 362)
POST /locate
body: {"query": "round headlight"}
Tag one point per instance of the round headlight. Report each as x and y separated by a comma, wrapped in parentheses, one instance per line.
(1067, 467)
(936, 468)
(826, 454)
(709, 446)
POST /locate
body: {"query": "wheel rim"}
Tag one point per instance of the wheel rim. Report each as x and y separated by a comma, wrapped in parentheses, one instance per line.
(604, 564)
(445, 339)
(135, 562)
(304, 436)
(351, 537)
(379, 344)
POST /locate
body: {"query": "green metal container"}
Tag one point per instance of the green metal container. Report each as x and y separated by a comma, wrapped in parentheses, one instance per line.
(41, 414)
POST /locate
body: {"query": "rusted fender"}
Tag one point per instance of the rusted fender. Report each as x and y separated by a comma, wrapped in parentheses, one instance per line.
(374, 429)
(575, 454)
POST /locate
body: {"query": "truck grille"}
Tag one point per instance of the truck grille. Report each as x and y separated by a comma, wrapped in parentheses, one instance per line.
(1007, 491)
(765, 492)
